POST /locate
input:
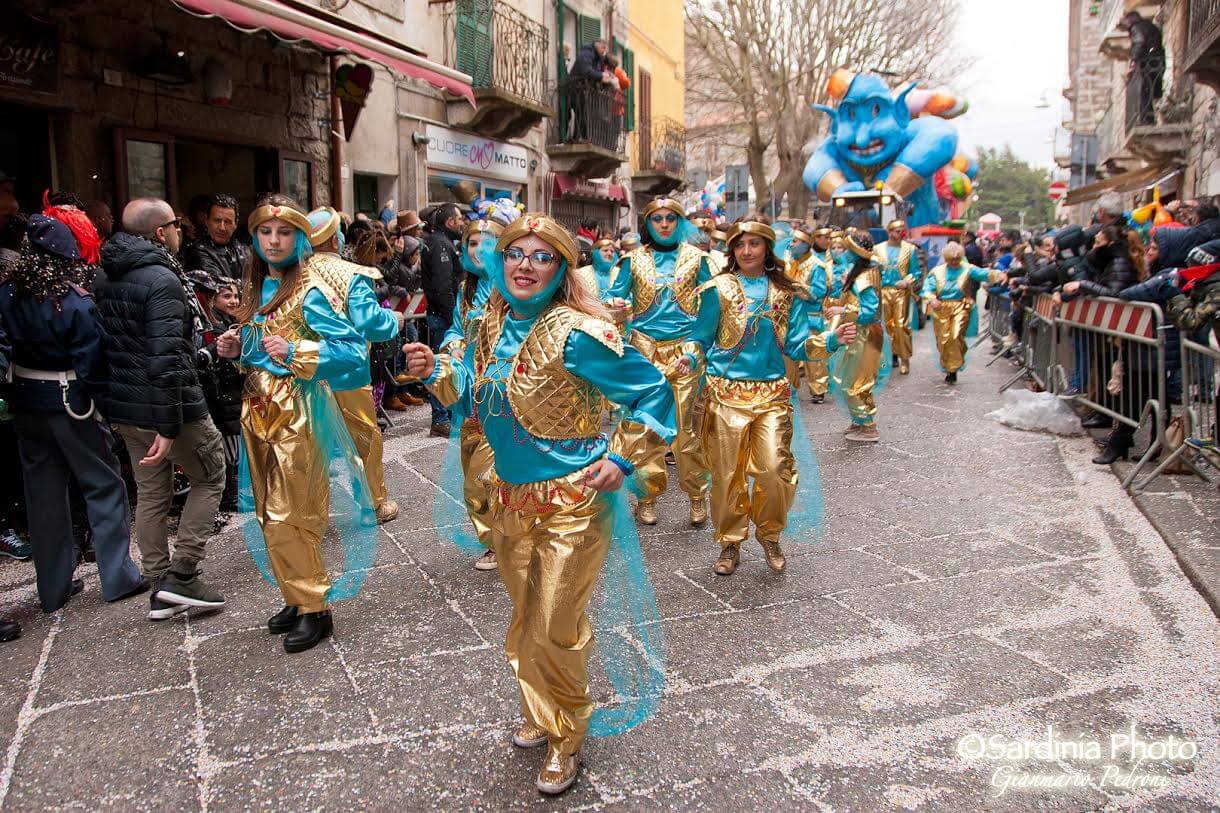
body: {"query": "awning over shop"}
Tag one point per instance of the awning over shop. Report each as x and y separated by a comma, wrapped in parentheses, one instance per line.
(288, 22)
(570, 186)
(1132, 181)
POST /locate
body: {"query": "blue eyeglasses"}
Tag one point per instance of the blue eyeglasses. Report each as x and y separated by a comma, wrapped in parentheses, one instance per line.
(664, 218)
(538, 259)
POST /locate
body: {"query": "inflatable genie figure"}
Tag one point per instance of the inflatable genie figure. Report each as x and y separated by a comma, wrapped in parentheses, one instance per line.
(874, 137)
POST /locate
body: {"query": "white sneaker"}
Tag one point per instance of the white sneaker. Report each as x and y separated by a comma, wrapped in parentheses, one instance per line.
(159, 610)
(487, 561)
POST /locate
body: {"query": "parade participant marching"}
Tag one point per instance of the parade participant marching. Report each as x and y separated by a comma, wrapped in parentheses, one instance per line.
(353, 389)
(843, 261)
(899, 275)
(292, 339)
(544, 363)
(475, 453)
(855, 374)
(812, 269)
(945, 294)
(660, 279)
(752, 318)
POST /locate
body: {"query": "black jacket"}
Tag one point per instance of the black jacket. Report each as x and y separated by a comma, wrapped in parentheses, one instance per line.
(1147, 47)
(149, 339)
(53, 337)
(1175, 244)
(1117, 273)
(399, 278)
(441, 273)
(227, 262)
(588, 65)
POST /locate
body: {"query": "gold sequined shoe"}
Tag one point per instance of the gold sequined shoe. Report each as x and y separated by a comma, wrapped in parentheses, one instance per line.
(774, 554)
(904, 366)
(387, 512)
(698, 511)
(529, 735)
(726, 565)
(646, 512)
(487, 561)
(558, 772)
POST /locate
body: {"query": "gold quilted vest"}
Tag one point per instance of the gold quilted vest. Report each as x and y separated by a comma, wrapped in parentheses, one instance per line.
(470, 325)
(547, 400)
(801, 273)
(336, 273)
(686, 275)
(941, 274)
(735, 307)
(904, 257)
(851, 298)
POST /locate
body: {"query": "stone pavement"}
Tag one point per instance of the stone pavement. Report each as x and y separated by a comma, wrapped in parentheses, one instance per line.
(973, 581)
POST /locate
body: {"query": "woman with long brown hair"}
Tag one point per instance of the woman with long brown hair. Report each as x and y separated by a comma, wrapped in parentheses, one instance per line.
(544, 363)
(751, 318)
(291, 338)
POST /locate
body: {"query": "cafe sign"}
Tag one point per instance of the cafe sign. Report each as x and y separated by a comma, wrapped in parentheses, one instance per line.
(472, 154)
(29, 53)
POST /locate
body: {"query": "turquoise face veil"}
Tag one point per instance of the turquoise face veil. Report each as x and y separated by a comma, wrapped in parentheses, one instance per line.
(479, 269)
(684, 233)
(493, 265)
(301, 250)
(600, 264)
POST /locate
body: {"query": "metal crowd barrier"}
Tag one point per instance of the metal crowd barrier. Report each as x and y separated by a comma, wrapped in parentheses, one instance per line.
(1201, 408)
(1038, 345)
(999, 309)
(1106, 333)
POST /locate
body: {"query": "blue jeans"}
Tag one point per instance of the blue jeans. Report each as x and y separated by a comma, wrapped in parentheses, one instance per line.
(437, 325)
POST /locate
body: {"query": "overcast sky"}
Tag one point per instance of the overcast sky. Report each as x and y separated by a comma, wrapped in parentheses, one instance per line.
(1022, 54)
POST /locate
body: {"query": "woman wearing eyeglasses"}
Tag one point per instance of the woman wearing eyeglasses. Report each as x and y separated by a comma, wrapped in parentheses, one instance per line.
(544, 363)
(292, 339)
(660, 279)
(750, 319)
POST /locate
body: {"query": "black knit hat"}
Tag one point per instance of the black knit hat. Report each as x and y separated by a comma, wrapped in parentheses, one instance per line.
(50, 236)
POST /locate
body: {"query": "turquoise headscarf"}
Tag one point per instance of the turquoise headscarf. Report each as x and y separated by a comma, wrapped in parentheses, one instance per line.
(600, 264)
(300, 252)
(683, 234)
(493, 266)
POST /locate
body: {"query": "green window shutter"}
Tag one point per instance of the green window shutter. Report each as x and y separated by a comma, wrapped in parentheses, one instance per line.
(472, 33)
(588, 29)
(628, 64)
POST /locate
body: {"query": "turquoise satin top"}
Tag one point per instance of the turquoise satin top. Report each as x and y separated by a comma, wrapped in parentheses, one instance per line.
(664, 320)
(759, 355)
(890, 272)
(340, 349)
(457, 325)
(951, 292)
(870, 305)
(373, 322)
(630, 382)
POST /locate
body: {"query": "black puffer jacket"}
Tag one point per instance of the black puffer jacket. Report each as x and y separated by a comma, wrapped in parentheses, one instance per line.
(149, 341)
(1117, 272)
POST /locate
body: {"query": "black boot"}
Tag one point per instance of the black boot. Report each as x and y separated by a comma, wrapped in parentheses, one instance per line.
(228, 501)
(1097, 421)
(283, 621)
(1119, 446)
(9, 630)
(311, 628)
(951, 378)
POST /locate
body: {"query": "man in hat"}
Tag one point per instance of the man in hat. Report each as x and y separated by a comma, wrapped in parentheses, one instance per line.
(660, 280)
(409, 224)
(899, 261)
(353, 390)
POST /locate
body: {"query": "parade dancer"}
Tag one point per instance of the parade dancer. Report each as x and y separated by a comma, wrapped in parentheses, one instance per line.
(945, 294)
(899, 275)
(544, 364)
(292, 339)
(660, 279)
(476, 456)
(812, 269)
(855, 374)
(751, 319)
(844, 261)
(353, 389)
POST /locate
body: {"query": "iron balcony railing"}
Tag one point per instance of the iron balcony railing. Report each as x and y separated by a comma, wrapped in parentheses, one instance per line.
(588, 112)
(661, 147)
(501, 48)
(1147, 104)
(1204, 24)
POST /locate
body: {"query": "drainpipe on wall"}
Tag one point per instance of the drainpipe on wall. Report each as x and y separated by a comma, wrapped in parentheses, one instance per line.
(336, 141)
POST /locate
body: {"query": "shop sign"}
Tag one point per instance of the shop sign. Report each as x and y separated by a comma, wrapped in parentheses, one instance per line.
(29, 53)
(476, 155)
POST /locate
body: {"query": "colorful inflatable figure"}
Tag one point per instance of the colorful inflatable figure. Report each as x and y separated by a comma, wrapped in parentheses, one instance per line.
(874, 137)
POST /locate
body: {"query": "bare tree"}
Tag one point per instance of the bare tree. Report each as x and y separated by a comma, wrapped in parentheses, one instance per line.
(754, 67)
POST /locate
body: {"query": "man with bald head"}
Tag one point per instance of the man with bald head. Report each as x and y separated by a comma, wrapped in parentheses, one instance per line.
(154, 400)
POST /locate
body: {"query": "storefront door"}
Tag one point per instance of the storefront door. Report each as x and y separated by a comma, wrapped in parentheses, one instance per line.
(25, 153)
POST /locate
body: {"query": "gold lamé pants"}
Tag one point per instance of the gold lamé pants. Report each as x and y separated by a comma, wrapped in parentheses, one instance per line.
(748, 437)
(693, 476)
(896, 306)
(817, 372)
(290, 479)
(551, 539)
(859, 367)
(950, 323)
(476, 462)
(360, 415)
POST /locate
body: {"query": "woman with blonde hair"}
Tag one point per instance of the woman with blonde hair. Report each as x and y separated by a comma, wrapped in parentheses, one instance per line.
(544, 363)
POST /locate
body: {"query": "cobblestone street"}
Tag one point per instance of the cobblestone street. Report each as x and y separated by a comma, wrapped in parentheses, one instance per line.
(937, 606)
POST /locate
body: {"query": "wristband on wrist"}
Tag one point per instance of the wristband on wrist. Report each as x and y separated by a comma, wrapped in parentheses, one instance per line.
(622, 462)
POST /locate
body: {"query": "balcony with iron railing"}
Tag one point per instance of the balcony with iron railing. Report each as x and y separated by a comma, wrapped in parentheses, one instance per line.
(507, 55)
(1156, 123)
(587, 134)
(1115, 42)
(1202, 58)
(659, 156)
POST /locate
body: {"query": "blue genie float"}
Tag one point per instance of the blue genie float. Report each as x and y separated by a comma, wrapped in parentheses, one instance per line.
(875, 138)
